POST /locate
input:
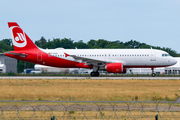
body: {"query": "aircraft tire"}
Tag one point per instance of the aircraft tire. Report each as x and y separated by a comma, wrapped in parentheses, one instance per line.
(94, 74)
(97, 74)
(153, 74)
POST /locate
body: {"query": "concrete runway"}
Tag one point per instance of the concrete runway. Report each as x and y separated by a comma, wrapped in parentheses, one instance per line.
(75, 77)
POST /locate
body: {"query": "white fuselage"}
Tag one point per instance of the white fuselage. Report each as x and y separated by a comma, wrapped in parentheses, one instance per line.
(129, 57)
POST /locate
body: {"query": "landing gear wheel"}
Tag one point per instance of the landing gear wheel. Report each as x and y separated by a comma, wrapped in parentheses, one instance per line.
(97, 74)
(153, 74)
(94, 74)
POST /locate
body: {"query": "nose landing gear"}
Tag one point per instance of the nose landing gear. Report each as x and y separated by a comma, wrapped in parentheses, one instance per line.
(153, 73)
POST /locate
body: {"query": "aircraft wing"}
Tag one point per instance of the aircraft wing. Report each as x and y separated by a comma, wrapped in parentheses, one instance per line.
(89, 61)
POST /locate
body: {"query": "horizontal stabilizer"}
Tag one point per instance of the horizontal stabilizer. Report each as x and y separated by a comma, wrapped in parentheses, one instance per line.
(18, 54)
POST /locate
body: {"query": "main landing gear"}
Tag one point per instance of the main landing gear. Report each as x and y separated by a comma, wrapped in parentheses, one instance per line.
(95, 72)
(153, 73)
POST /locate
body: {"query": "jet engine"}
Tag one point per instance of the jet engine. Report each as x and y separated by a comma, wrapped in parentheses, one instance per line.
(115, 68)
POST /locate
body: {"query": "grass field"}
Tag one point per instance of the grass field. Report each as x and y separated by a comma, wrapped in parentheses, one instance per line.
(89, 90)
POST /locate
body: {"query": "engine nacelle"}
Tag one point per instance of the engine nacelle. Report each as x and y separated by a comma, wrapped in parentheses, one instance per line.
(115, 68)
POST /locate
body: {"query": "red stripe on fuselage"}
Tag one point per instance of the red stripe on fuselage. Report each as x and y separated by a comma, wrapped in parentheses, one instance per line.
(46, 59)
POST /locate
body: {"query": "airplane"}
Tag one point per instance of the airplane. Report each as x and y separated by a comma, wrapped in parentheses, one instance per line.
(110, 60)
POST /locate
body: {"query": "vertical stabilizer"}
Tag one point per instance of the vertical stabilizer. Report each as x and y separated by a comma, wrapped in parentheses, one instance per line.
(20, 39)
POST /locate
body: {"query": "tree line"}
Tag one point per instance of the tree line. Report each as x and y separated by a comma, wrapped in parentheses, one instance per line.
(67, 43)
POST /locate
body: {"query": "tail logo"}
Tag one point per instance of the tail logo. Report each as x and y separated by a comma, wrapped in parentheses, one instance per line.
(18, 36)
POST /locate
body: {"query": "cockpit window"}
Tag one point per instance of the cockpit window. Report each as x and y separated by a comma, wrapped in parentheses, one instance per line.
(165, 55)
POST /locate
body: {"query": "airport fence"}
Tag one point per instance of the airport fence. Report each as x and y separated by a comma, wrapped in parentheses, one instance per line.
(74, 110)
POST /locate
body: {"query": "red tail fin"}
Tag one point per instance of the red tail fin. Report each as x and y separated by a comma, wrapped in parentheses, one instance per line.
(19, 38)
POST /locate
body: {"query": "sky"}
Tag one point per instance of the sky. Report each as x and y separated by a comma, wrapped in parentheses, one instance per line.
(154, 22)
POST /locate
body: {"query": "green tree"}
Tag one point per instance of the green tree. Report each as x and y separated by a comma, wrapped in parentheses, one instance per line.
(132, 44)
(50, 44)
(81, 45)
(143, 45)
(57, 43)
(8, 41)
(101, 43)
(67, 43)
(92, 43)
(5, 47)
(24, 65)
(41, 43)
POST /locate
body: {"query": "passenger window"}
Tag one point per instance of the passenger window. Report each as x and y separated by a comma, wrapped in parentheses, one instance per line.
(163, 55)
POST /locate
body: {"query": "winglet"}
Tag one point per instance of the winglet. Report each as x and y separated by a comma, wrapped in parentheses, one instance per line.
(66, 54)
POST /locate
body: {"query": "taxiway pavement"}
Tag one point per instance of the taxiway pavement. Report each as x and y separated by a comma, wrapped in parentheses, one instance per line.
(96, 78)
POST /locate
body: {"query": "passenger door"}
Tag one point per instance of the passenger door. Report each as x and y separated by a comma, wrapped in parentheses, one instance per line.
(153, 55)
